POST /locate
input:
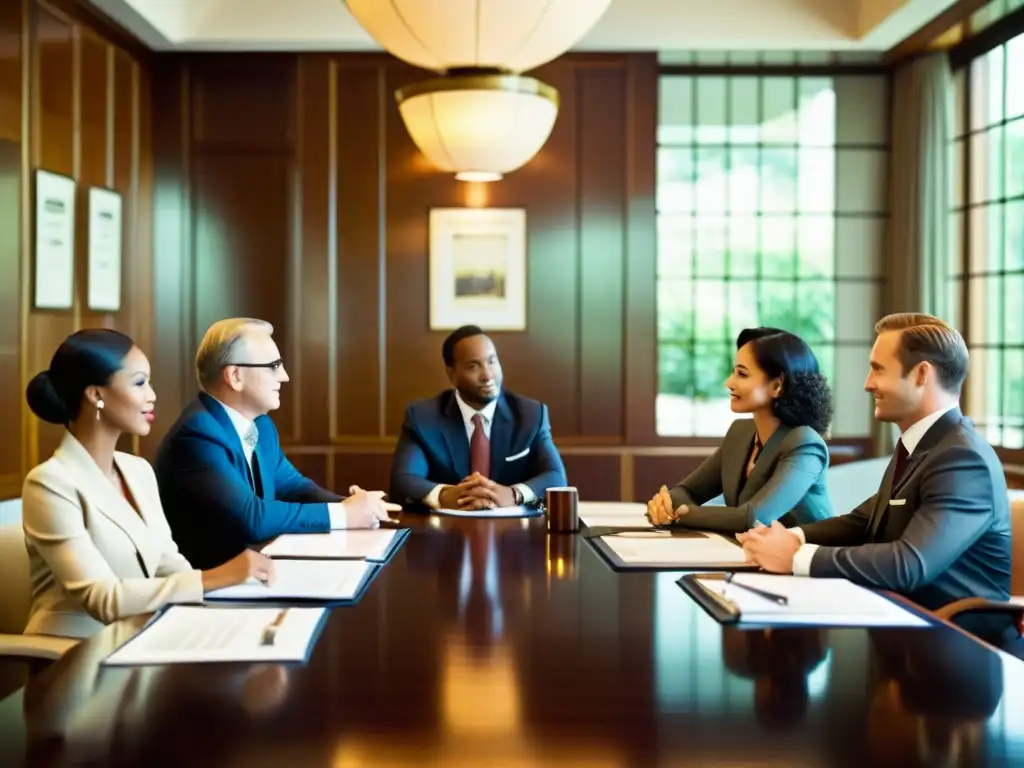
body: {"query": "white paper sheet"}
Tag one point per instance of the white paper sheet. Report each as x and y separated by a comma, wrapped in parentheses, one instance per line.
(659, 546)
(303, 579)
(195, 633)
(618, 514)
(486, 513)
(337, 545)
(822, 602)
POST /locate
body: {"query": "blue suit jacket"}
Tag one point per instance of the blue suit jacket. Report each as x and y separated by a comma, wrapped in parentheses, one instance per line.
(433, 447)
(213, 511)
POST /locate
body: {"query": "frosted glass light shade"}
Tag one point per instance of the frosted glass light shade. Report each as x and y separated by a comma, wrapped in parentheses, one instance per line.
(514, 35)
(479, 127)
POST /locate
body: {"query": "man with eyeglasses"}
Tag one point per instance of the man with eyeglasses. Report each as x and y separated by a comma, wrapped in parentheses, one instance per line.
(224, 482)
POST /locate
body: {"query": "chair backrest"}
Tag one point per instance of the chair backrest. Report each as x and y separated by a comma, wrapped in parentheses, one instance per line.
(15, 586)
(1017, 536)
(851, 483)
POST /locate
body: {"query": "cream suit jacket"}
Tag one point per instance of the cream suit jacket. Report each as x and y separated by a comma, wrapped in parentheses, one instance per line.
(92, 558)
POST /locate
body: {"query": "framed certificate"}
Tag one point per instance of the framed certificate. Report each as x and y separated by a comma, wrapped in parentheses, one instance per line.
(54, 241)
(105, 236)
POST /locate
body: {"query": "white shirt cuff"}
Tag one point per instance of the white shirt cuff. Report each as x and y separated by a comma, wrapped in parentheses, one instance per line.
(338, 515)
(433, 499)
(802, 559)
(799, 533)
(528, 495)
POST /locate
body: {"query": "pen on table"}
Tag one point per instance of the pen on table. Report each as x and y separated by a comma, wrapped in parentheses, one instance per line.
(270, 631)
(779, 599)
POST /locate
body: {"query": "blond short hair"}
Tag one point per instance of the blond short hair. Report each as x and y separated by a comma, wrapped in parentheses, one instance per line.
(220, 343)
(926, 338)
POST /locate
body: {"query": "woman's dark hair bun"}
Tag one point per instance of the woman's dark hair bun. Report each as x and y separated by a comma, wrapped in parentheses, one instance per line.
(87, 358)
(45, 401)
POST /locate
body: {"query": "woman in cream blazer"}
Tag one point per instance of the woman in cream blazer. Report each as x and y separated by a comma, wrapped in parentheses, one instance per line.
(769, 467)
(98, 543)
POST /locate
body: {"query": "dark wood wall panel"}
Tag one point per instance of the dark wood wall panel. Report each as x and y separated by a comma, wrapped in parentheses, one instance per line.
(11, 324)
(358, 249)
(53, 148)
(83, 115)
(596, 477)
(603, 149)
(652, 472)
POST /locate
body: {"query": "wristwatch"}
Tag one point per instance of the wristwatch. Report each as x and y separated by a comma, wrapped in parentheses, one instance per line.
(517, 496)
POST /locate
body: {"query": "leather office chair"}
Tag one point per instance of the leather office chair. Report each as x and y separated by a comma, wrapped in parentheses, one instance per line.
(1015, 605)
(16, 592)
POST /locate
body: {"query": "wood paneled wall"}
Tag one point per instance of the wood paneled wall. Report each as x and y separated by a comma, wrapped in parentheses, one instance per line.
(73, 100)
(288, 189)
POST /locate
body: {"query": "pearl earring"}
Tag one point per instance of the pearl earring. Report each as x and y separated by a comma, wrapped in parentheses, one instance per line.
(99, 408)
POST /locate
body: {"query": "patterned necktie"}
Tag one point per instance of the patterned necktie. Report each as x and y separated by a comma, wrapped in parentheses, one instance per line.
(479, 448)
(251, 437)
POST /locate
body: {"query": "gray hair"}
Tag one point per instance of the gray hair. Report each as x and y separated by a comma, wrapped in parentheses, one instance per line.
(220, 343)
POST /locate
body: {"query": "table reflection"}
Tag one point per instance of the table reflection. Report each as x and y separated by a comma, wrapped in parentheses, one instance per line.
(492, 643)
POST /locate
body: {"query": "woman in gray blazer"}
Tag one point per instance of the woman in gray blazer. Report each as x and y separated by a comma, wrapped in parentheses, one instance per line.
(772, 466)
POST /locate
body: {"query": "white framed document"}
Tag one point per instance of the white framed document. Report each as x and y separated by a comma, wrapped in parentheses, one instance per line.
(54, 241)
(478, 268)
(105, 243)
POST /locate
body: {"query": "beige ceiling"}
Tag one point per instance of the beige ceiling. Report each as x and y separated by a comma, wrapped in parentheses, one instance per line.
(662, 25)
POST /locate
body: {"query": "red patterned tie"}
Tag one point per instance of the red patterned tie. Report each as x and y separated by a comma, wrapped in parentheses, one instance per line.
(479, 448)
(901, 462)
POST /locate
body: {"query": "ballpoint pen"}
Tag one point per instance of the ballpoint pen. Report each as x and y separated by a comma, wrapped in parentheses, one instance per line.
(778, 599)
(270, 631)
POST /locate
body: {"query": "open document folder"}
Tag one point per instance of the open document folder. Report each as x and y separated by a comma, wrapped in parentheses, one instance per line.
(327, 580)
(766, 599)
(194, 633)
(673, 549)
(359, 544)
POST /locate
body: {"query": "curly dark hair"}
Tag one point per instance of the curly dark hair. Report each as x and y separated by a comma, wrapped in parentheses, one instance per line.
(806, 398)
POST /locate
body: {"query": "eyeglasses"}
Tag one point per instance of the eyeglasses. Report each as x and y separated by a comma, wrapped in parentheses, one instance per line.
(274, 366)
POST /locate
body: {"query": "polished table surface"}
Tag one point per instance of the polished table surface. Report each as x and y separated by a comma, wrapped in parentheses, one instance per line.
(490, 643)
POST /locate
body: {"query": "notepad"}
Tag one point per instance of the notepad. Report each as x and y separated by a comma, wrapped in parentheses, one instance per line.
(496, 512)
(304, 580)
(613, 513)
(819, 602)
(359, 544)
(194, 633)
(663, 548)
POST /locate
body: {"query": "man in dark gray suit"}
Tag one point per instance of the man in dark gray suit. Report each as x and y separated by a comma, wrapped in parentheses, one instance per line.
(938, 529)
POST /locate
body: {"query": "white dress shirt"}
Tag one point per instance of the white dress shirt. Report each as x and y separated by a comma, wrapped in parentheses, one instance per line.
(432, 499)
(911, 438)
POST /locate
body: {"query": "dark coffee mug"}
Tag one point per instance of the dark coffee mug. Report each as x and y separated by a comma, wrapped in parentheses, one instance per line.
(563, 510)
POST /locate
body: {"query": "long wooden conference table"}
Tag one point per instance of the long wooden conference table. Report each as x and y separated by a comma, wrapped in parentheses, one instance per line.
(491, 643)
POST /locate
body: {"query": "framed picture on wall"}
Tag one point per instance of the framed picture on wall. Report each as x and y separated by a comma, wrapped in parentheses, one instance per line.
(478, 268)
(105, 228)
(54, 241)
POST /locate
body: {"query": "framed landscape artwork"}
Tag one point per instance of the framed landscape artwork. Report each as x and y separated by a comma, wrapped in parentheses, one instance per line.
(478, 268)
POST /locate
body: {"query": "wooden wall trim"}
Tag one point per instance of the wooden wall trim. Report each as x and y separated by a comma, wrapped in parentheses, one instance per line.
(29, 434)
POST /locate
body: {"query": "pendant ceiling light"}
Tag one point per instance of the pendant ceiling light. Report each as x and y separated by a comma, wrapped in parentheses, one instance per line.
(480, 119)
(514, 35)
(479, 126)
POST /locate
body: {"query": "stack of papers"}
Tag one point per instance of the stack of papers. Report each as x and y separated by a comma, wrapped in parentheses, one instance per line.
(820, 602)
(193, 634)
(304, 580)
(662, 548)
(337, 545)
(614, 514)
(486, 513)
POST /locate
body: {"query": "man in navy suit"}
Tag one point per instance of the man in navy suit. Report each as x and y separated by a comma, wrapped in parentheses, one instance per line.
(224, 482)
(474, 447)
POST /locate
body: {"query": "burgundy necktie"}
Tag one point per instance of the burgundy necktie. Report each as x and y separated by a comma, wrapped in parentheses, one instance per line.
(479, 448)
(901, 462)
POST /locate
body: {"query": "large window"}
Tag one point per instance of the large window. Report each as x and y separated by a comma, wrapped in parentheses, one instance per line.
(987, 264)
(771, 200)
